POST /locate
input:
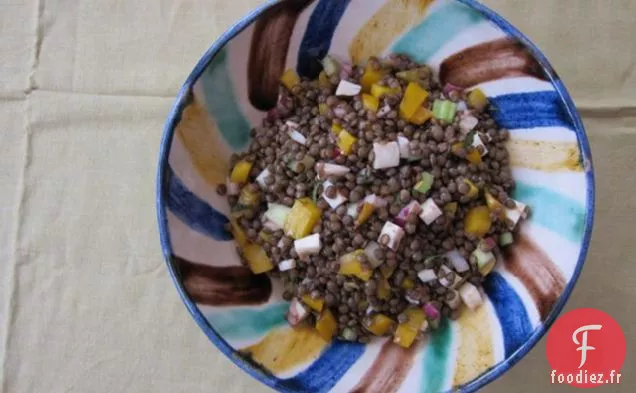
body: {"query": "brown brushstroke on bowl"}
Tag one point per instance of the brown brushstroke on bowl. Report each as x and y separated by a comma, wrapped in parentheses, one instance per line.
(268, 51)
(223, 286)
(498, 59)
(389, 369)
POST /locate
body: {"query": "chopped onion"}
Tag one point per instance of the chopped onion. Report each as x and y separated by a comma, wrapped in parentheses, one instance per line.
(232, 188)
(260, 179)
(387, 155)
(324, 170)
(477, 142)
(277, 215)
(431, 311)
(308, 245)
(352, 210)
(369, 250)
(395, 234)
(292, 124)
(471, 296)
(513, 216)
(383, 111)
(287, 264)
(413, 208)
(468, 123)
(461, 106)
(485, 260)
(427, 275)
(411, 300)
(455, 301)
(346, 88)
(333, 202)
(430, 211)
(376, 200)
(298, 137)
(460, 264)
(297, 312)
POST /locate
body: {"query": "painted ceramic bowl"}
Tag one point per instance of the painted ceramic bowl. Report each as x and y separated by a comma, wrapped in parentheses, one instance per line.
(468, 45)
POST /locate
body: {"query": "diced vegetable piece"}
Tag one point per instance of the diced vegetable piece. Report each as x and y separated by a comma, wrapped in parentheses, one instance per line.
(408, 284)
(477, 221)
(257, 258)
(370, 77)
(444, 110)
(370, 102)
(479, 145)
(407, 332)
(387, 270)
(403, 144)
(248, 197)
(427, 275)
(241, 172)
(232, 188)
(260, 179)
(387, 155)
(323, 80)
(350, 265)
(309, 245)
(375, 200)
(314, 304)
(345, 142)
(477, 99)
(414, 97)
(379, 324)
(338, 200)
(239, 235)
(506, 239)
(297, 313)
(485, 260)
(460, 264)
(443, 276)
(414, 75)
(453, 300)
(474, 190)
(468, 123)
(392, 235)
(352, 210)
(287, 264)
(298, 137)
(513, 216)
(347, 89)
(380, 91)
(430, 211)
(384, 111)
(302, 218)
(473, 156)
(336, 129)
(326, 325)
(322, 108)
(432, 311)
(413, 208)
(300, 166)
(324, 170)
(494, 205)
(451, 209)
(365, 213)
(471, 296)
(369, 250)
(277, 214)
(421, 116)
(425, 183)
(330, 65)
(384, 289)
(290, 79)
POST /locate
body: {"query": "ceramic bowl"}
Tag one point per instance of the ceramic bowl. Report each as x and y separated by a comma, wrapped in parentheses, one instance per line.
(467, 44)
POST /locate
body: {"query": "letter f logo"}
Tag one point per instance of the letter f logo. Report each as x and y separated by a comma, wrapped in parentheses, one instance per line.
(583, 345)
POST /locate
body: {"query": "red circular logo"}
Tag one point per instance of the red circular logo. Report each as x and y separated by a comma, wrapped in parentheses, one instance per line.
(586, 348)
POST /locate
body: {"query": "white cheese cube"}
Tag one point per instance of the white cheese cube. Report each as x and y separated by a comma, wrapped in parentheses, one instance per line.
(430, 211)
(308, 245)
(387, 155)
(427, 275)
(471, 296)
(260, 179)
(297, 312)
(395, 234)
(287, 264)
(338, 200)
(346, 88)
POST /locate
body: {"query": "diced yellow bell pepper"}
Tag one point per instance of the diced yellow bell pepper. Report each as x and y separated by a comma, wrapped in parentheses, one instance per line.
(239, 235)
(265, 236)
(241, 172)
(365, 213)
(345, 142)
(290, 79)
(387, 271)
(408, 284)
(456, 147)
(494, 205)
(314, 304)
(414, 97)
(322, 108)
(326, 325)
(323, 79)
(370, 102)
(451, 208)
(477, 99)
(407, 332)
(477, 221)
(384, 289)
(413, 75)
(369, 78)
(421, 116)
(380, 91)
(302, 218)
(474, 190)
(473, 156)
(257, 258)
(336, 128)
(380, 324)
(350, 265)
(248, 198)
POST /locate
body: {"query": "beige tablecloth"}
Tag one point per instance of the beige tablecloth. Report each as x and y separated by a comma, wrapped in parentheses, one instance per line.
(86, 304)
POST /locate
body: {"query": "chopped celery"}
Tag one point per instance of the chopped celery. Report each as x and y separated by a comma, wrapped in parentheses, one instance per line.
(425, 183)
(444, 110)
(506, 239)
(290, 79)
(277, 214)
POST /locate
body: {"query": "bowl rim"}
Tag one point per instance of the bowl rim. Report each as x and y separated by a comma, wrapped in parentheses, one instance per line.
(183, 99)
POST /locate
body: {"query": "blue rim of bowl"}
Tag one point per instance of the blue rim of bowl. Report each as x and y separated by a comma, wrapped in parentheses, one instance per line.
(488, 376)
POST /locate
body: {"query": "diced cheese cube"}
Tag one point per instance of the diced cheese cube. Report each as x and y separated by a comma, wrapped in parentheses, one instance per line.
(338, 200)
(260, 179)
(297, 137)
(395, 234)
(287, 264)
(430, 211)
(427, 275)
(387, 155)
(346, 88)
(471, 296)
(308, 245)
